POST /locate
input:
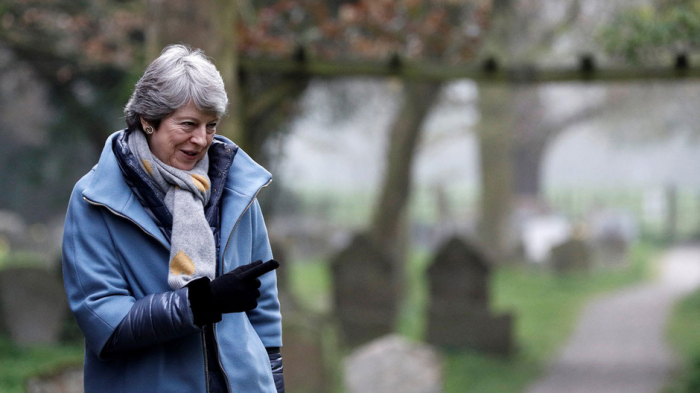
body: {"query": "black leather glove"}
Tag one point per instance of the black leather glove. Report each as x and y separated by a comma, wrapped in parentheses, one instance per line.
(235, 291)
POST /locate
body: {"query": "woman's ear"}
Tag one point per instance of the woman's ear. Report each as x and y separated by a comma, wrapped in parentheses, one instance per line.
(144, 123)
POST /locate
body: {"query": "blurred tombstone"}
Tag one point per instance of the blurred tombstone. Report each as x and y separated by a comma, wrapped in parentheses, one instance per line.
(365, 293)
(33, 305)
(572, 255)
(611, 232)
(612, 222)
(12, 229)
(611, 251)
(67, 380)
(541, 233)
(393, 364)
(306, 370)
(44, 239)
(458, 308)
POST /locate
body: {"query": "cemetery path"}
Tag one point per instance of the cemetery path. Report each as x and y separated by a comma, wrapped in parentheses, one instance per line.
(619, 343)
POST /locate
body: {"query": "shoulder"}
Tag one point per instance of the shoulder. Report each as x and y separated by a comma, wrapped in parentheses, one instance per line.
(101, 170)
(244, 175)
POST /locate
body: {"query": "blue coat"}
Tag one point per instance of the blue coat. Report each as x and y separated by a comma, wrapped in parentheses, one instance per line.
(115, 258)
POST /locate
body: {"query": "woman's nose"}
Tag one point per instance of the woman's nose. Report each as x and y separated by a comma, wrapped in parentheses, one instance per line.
(199, 135)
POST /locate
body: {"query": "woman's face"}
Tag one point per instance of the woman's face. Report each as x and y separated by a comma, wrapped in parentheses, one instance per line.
(183, 137)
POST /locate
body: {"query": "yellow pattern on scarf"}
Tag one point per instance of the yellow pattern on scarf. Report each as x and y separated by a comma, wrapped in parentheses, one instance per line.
(181, 264)
(147, 167)
(200, 182)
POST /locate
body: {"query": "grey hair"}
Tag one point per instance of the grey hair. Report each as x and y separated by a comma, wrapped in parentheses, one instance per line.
(179, 75)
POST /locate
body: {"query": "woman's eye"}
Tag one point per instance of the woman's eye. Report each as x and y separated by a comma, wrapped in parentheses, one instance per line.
(211, 128)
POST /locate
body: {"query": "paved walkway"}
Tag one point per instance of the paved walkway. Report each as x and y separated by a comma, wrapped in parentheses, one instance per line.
(619, 344)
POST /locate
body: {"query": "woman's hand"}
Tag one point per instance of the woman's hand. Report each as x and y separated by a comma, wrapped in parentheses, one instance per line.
(237, 290)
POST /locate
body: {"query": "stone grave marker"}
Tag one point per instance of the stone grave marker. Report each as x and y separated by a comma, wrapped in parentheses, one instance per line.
(610, 233)
(393, 364)
(540, 233)
(66, 380)
(365, 294)
(611, 251)
(304, 355)
(458, 308)
(12, 231)
(33, 305)
(572, 255)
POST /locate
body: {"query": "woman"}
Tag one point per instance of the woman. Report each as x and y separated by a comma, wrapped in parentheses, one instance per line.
(159, 244)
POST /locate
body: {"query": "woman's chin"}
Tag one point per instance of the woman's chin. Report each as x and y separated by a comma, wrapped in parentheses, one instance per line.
(184, 166)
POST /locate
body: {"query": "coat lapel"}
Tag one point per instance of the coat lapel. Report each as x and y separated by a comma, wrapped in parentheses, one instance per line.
(109, 189)
(246, 178)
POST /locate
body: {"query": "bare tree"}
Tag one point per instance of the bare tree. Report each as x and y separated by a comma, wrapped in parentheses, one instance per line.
(513, 131)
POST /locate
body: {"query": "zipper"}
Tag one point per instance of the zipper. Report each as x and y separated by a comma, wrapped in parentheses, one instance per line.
(223, 256)
(206, 362)
(218, 358)
(125, 217)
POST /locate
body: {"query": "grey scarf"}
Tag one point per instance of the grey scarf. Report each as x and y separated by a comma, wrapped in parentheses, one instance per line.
(192, 251)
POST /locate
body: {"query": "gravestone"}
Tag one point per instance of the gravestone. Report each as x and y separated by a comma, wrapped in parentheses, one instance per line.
(611, 232)
(365, 295)
(611, 251)
(304, 355)
(33, 305)
(393, 364)
(458, 308)
(66, 380)
(12, 231)
(571, 256)
(540, 233)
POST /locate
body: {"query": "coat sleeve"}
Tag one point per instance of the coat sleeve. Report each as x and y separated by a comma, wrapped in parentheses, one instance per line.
(266, 318)
(109, 316)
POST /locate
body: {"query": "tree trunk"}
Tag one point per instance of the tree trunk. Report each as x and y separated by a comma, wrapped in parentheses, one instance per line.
(179, 21)
(496, 145)
(531, 136)
(389, 226)
(224, 49)
(528, 167)
(270, 102)
(153, 30)
(405, 133)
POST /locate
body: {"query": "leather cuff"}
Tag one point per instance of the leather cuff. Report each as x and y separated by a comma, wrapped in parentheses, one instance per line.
(202, 302)
(277, 371)
(272, 350)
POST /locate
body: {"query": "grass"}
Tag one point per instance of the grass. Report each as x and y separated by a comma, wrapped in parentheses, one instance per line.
(682, 333)
(17, 364)
(546, 309)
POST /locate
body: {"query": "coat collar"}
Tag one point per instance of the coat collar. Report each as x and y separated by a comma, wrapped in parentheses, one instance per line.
(245, 180)
(109, 189)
